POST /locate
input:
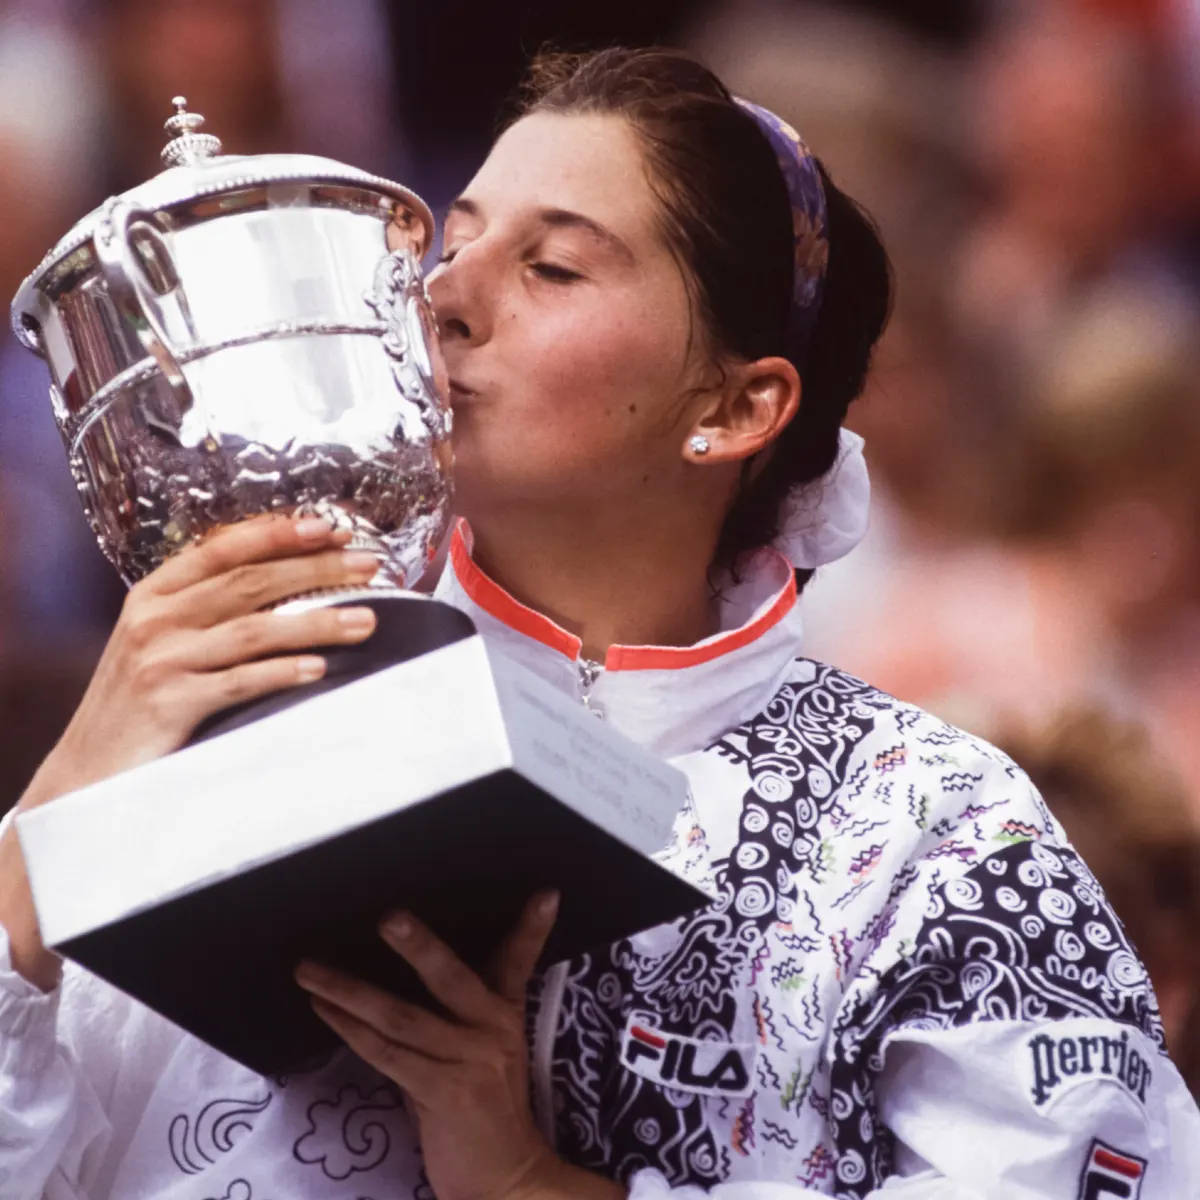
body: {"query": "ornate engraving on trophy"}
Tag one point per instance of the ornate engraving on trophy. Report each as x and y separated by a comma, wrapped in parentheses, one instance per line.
(401, 303)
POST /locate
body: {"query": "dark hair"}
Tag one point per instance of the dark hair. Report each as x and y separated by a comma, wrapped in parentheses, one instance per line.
(727, 217)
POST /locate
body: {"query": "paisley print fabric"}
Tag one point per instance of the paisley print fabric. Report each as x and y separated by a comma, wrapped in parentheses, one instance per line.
(1024, 936)
(795, 757)
(885, 871)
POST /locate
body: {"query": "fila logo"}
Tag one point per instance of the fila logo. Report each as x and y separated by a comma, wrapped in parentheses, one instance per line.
(1109, 1173)
(690, 1064)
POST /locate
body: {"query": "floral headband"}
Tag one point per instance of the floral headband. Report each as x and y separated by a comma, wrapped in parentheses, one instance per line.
(823, 520)
(807, 196)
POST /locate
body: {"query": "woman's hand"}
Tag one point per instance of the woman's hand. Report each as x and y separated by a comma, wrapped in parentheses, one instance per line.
(466, 1075)
(191, 640)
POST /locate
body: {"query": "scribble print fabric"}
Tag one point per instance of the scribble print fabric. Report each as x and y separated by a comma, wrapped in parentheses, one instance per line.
(901, 943)
(889, 873)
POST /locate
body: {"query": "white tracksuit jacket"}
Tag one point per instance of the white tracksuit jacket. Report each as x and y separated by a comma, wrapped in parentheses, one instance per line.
(909, 986)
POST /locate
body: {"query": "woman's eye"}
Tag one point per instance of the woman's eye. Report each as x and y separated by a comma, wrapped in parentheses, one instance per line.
(554, 273)
(447, 256)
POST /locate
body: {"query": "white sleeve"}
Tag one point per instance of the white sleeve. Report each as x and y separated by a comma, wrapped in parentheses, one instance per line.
(1041, 1108)
(49, 1115)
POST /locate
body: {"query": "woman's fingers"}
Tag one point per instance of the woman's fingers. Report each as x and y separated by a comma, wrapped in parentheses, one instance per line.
(519, 952)
(258, 635)
(210, 692)
(447, 977)
(407, 1024)
(258, 539)
(251, 586)
(190, 643)
(415, 1072)
(453, 983)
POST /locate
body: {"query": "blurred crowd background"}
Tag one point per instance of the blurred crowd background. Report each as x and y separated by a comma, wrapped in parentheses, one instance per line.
(1033, 424)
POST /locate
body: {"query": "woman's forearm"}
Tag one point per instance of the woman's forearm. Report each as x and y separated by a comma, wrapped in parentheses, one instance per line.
(30, 958)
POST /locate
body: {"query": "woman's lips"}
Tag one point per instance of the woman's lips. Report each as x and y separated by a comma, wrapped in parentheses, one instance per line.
(460, 389)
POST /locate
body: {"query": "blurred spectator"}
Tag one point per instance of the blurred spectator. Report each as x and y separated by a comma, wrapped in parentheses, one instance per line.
(1092, 592)
(1072, 136)
(1031, 420)
(223, 55)
(338, 82)
(1130, 820)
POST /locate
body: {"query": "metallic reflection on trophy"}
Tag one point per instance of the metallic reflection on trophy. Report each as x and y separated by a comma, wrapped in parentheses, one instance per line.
(241, 335)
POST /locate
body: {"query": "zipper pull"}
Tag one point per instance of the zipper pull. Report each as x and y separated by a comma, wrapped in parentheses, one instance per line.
(589, 672)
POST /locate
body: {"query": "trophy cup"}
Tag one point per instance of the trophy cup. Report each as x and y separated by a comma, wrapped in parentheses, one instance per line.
(245, 335)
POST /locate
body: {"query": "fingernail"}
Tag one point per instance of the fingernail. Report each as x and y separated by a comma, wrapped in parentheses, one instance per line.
(312, 527)
(548, 905)
(398, 927)
(358, 561)
(305, 974)
(356, 620)
(310, 667)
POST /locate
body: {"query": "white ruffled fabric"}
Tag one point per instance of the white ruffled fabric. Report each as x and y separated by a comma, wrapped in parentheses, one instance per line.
(651, 1185)
(824, 520)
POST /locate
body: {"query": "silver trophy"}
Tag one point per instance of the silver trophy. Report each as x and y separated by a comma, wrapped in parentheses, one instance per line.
(242, 335)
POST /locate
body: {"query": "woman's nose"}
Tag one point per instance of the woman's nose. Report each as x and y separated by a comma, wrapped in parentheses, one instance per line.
(459, 293)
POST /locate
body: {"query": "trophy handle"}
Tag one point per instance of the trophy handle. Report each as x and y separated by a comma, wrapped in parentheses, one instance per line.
(143, 282)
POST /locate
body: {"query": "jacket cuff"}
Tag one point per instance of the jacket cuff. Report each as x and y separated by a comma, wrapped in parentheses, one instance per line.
(652, 1185)
(28, 1019)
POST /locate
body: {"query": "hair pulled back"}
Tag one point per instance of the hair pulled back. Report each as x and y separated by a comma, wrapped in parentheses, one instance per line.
(726, 216)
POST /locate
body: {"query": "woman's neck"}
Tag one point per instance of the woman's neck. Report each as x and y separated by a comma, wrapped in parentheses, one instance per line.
(625, 586)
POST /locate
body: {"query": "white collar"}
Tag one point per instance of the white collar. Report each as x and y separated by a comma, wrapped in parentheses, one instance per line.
(671, 699)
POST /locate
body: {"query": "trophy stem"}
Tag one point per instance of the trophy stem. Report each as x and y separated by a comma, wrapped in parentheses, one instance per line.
(408, 625)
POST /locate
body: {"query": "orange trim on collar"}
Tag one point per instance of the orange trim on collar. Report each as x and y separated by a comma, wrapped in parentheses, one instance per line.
(668, 658)
(493, 599)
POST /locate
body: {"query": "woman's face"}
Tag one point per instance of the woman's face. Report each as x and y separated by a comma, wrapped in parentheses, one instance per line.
(565, 324)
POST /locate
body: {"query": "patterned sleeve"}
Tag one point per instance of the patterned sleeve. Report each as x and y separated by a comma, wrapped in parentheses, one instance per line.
(1004, 1032)
(908, 985)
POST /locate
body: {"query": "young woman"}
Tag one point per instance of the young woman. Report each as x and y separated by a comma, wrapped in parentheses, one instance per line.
(655, 309)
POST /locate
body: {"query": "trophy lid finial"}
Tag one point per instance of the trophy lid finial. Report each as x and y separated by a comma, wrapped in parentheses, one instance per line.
(187, 147)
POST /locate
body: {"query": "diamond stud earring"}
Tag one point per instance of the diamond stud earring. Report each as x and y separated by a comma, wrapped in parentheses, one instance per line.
(698, 444)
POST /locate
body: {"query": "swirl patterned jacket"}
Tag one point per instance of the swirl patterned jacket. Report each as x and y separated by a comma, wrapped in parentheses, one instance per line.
(908, 985)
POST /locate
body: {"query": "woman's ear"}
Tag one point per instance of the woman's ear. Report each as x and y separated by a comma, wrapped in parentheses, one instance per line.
(747, 413)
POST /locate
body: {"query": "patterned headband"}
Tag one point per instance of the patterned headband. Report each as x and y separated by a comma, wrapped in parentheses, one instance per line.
(807, 196)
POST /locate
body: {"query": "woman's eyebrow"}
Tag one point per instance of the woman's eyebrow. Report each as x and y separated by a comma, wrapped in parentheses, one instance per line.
(558, 218)
(460, 204)
(561, 218)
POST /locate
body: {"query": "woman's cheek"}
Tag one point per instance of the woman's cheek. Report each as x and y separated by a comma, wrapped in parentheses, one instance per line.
(610, 351)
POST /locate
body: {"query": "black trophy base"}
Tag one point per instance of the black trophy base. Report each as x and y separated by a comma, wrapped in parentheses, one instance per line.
(451, 783)
(219, 961)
